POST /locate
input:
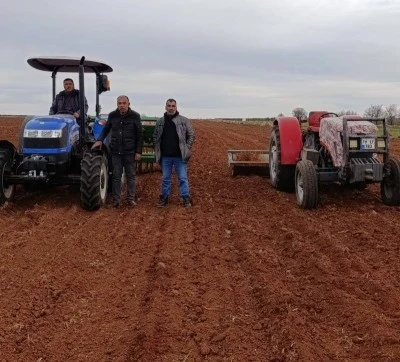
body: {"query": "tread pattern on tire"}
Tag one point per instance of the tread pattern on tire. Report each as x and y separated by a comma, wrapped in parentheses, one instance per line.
(5, 156)
(90, 181)
(394, 198)
(310, 184)
(284, 179)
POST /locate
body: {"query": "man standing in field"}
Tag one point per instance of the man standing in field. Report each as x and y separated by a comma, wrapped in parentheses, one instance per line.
(126, 147)
(173, 139)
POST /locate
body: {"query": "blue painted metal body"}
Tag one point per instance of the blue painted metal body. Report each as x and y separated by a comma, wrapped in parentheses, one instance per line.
(62, 123)
(66, 124)
(50, 150)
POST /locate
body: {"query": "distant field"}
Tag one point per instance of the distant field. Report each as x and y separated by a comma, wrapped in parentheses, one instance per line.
(394, 130)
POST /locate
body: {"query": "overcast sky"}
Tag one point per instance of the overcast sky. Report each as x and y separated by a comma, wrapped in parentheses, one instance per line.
(225, 58)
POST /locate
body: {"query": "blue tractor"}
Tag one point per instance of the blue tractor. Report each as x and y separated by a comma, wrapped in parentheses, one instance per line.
(56, 149)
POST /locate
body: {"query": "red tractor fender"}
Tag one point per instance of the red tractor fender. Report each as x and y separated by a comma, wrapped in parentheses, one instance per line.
(290, 139)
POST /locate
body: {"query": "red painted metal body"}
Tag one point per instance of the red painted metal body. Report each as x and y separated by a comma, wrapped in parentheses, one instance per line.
(314, 118)
(290, 138)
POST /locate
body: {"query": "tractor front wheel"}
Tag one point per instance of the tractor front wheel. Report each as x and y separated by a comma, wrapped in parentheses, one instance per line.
(390, 186)
(94, 181)
(6, 190)
(306, 183)
(282, 176)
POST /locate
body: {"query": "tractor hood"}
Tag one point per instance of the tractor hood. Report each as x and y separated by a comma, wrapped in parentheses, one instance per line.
(49, 134)
(49, 123)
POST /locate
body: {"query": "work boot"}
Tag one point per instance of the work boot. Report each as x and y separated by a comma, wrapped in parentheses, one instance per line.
(186, 201)
(163, 201)
(116, 204)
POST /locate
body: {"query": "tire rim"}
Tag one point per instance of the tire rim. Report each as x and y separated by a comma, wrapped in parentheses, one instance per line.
(103, 182)
(299, 188)
(273, 161)
(7, 191)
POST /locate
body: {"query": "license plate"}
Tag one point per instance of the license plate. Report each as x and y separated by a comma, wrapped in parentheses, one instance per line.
(367, 143)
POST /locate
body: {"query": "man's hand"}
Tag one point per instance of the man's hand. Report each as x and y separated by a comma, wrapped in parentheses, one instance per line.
(76, 115)
(138, 156)
(97, 144)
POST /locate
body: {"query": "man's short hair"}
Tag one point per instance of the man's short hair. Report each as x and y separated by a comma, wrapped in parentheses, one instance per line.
(66, 79)
(123, 96)
(170, 100)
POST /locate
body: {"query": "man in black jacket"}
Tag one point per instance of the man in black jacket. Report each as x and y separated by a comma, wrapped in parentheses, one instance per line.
(126, 147)
(67, 101)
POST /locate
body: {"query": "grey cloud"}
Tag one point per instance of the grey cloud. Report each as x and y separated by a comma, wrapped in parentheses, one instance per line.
(224, 57)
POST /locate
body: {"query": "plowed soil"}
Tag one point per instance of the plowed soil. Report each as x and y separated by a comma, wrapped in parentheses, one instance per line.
(244, 275)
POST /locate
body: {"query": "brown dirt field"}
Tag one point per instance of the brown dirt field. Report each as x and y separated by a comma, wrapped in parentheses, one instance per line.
(244, 275)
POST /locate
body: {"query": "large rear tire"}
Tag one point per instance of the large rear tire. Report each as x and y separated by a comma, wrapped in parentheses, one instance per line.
(94, 181)
(306, 181)
(6, 190)
(282, 176)
(390, 185)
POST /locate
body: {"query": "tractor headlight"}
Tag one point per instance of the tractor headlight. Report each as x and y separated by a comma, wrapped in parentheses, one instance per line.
(353, 144)
(31, 133)
(42, 133)
(381, 143)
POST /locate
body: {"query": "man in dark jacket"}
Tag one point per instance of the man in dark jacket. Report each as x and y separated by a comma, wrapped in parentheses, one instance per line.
(67, 101)
(173, 140)
(126, 147)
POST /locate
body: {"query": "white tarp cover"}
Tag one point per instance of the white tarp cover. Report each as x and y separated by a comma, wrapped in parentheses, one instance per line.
(330, 131)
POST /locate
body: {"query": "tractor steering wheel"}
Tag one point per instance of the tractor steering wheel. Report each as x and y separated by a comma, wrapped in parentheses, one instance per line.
(327, 114)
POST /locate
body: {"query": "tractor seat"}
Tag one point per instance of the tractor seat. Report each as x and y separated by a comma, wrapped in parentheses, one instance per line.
(314, 120)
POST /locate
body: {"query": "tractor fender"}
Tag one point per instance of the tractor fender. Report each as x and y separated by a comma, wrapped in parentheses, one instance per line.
(8, 150)
(290, 139)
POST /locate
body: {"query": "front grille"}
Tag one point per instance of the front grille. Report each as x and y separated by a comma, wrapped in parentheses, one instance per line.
(47, 142)
(364, 161)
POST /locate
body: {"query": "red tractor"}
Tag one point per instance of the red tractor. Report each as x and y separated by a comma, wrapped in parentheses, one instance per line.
(348, 149)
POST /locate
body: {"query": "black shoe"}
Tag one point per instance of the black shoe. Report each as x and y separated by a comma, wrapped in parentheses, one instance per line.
(131, 203)
(162, 202)
(116, 204)
(186, 201)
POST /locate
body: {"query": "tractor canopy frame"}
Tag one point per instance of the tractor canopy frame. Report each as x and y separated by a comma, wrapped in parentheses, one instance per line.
(74, 65)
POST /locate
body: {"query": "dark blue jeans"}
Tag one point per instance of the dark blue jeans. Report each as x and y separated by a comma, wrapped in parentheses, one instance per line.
(128, 163)
(167, 163)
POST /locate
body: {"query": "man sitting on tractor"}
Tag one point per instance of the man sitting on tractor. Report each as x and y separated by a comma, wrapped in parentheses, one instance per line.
(67, 101)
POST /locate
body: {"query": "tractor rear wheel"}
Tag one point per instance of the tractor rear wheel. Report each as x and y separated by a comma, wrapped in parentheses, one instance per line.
(390, 185)
(6, 190)
(306, 182)
(94, 181)
(282, 176)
